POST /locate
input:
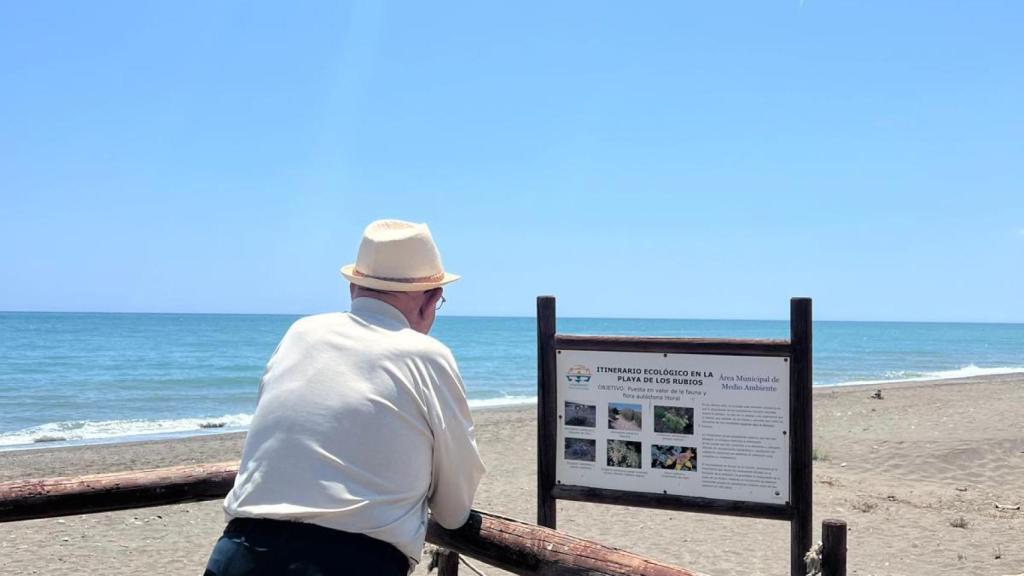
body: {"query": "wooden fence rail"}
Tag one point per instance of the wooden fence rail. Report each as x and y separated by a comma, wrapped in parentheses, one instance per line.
(52, 497)
(503, 542)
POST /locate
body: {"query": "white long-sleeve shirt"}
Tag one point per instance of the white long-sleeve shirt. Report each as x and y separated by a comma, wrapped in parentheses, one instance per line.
(361, 423)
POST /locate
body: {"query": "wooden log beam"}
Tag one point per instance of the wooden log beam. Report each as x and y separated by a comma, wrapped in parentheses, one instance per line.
(52, 497)
(510, 544)
(729, 346)
(530, 549)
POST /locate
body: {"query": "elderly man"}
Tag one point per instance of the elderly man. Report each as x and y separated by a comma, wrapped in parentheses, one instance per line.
(361, 423)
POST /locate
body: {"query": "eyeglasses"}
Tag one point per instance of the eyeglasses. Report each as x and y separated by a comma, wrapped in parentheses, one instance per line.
(440, 303)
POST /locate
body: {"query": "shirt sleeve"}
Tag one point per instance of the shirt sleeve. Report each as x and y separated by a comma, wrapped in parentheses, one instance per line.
(457, 467)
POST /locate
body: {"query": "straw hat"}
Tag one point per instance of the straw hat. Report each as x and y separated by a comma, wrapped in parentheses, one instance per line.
(397, 256)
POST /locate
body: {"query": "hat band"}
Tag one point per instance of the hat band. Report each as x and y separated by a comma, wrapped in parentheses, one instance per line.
(433, 278)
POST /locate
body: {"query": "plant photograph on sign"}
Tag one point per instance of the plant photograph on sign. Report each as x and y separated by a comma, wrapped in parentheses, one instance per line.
(581, 414)
(624, 416)
(580, 449)
(665, 457)
(624, 454)
(673, 419)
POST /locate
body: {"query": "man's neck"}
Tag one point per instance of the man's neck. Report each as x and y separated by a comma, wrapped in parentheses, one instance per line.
(402, 302)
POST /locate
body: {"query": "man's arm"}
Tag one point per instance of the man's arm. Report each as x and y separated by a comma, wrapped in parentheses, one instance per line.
(457, 467)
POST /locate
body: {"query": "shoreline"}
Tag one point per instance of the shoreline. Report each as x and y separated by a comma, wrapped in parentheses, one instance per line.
(925, 382)
(200, 434)
(512, 404)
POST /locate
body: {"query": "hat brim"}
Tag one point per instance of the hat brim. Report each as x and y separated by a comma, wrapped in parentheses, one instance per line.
(348, 272)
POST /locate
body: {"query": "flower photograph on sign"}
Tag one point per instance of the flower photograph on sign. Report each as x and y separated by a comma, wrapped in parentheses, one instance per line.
(623, 454)
(681, 458)
(673, 419)
(577, 414)
(580, 449)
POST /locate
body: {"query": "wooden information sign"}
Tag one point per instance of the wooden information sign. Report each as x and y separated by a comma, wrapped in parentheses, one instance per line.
(698, 425)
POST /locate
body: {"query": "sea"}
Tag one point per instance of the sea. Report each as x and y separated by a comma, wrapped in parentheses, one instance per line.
(79, 378)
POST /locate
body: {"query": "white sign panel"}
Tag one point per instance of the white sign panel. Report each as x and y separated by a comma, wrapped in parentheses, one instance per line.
(687, 424)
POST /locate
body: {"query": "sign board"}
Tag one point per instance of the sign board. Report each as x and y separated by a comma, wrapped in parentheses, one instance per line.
(708, 426)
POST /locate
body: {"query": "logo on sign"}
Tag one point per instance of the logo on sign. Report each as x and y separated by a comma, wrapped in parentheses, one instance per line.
(579, 374)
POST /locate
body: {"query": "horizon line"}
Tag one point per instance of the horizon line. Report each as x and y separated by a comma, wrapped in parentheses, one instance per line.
(514, 317)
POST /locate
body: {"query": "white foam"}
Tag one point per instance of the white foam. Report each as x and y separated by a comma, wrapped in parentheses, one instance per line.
(503, 401)
(969, 371)
(54, 432)
(78, 432)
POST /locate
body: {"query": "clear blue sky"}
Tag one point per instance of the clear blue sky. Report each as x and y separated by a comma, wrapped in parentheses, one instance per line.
(666, 159)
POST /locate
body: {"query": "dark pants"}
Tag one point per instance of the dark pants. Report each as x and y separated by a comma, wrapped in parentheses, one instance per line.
(258, 547)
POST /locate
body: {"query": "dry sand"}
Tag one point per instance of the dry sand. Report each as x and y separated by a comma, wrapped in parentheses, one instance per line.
(902, 471)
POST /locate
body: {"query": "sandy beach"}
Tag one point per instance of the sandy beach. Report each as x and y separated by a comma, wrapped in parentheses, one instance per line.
(917, 474)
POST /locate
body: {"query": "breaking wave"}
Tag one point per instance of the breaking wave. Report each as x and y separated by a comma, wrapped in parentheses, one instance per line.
(502, 401)
(53, 433)
(86, 431)
(969, 371)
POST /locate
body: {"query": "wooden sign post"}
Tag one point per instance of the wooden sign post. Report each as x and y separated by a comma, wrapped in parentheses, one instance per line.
(718, 426)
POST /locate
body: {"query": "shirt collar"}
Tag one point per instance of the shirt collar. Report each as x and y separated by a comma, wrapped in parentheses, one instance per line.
(378, 312)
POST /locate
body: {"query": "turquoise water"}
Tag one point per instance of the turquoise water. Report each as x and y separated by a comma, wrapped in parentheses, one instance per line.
(112, 377)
